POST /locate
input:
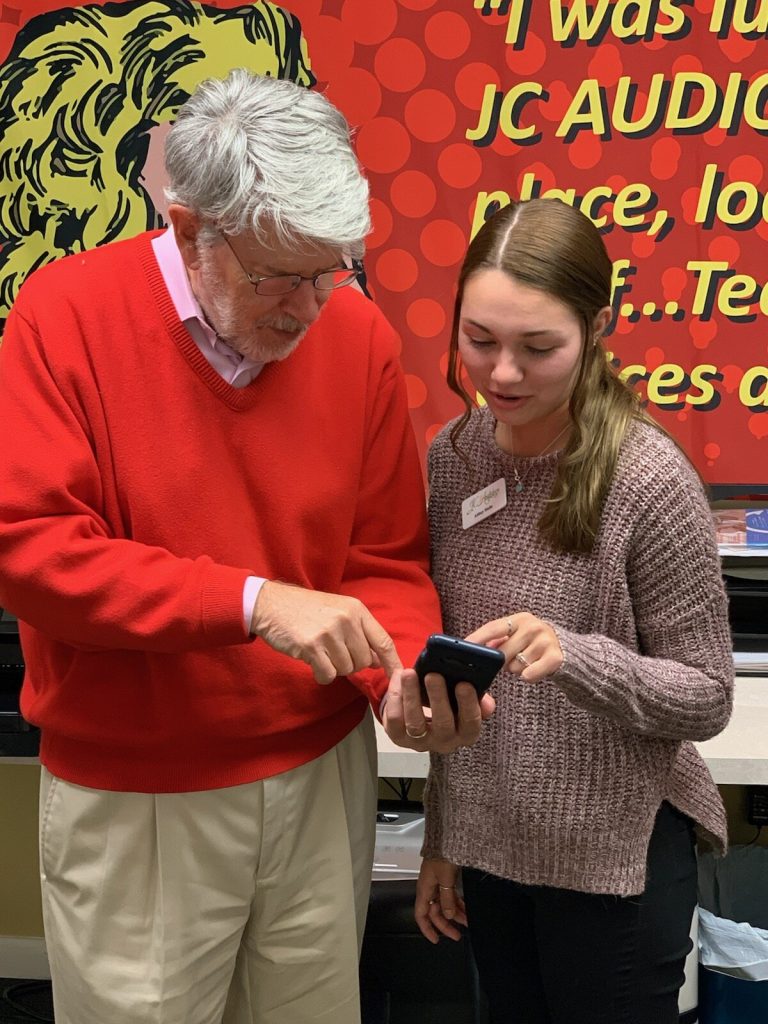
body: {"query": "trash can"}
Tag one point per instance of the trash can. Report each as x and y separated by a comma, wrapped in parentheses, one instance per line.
(733, 937)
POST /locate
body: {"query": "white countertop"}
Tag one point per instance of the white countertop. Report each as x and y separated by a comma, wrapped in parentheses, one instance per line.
(738, 755)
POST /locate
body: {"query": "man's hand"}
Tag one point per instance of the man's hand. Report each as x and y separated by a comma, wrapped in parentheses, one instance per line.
(407, 725)
(438, 904)
(335, 635)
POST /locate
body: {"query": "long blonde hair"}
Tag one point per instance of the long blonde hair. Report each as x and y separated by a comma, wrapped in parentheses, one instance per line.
(548, 245)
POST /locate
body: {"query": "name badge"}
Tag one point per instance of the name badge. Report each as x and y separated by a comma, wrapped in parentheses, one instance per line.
(484, 503)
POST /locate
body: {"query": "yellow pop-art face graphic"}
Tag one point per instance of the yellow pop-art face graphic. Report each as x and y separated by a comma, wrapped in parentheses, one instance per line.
(80, 94)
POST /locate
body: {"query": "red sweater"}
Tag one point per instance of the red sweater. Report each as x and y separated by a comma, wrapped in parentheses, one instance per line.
(139, 490)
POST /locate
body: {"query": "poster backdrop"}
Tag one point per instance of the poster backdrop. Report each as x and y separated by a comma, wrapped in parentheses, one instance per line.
(649, 115)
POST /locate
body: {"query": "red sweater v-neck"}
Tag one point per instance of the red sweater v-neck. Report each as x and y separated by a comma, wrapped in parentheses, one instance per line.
(139, 490)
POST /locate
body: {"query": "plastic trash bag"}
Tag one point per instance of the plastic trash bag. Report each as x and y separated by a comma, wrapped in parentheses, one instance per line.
(733, 947)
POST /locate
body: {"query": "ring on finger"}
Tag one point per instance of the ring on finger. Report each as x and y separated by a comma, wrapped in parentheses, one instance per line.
(432, 902)
(416, 735)
(522, 658)
(510, 627)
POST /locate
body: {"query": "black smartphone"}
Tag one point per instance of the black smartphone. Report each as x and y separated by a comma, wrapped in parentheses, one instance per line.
(458, 661)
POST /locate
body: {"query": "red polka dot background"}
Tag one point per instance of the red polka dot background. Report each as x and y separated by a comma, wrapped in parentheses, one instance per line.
(414, 90)
(412, 76)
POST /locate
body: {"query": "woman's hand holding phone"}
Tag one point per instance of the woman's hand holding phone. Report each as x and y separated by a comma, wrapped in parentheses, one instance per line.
(530, 645)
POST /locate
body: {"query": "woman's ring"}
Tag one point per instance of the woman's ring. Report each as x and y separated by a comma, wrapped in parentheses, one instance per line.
(521, 657)
(510, 627)
(415, 735)
(446, 887)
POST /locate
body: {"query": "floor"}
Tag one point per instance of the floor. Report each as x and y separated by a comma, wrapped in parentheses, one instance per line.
(22, 1002)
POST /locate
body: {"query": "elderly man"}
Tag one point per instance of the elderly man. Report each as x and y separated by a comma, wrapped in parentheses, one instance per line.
(213, 504)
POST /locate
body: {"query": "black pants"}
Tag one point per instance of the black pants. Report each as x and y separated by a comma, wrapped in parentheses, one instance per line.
(555, 956)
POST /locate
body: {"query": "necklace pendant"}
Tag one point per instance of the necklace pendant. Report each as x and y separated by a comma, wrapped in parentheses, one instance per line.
(519, 486)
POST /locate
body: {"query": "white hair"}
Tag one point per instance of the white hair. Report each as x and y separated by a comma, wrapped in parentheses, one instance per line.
(265, 154)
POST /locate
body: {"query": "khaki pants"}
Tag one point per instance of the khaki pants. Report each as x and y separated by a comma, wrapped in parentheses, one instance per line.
(234, 906)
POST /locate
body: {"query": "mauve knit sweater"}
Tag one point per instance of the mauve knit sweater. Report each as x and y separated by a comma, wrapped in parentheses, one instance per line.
(564, 783)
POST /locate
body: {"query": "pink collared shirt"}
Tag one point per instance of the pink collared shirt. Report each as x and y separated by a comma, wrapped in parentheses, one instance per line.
(236, 369)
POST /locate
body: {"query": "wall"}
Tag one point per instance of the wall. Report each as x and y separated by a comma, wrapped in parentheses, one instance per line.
(20, 912)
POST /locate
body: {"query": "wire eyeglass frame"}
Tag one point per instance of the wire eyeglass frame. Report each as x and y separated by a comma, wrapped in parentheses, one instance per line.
(282, 284)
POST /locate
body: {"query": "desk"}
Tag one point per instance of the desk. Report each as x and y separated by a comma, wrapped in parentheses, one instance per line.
(739, 755)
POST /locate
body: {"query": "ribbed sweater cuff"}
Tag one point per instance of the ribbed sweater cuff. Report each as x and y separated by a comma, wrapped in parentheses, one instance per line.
(221, 604)
(584, 661)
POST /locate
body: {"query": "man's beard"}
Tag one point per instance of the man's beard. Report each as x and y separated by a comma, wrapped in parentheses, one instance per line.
(251, 338)
(258, 342)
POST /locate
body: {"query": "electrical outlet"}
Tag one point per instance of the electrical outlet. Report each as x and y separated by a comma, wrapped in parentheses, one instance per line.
(757, 805)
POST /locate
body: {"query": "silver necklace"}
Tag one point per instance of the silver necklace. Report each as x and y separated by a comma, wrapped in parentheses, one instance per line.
(520, 478)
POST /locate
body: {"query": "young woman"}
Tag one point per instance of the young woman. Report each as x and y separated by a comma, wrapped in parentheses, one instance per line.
(596, 571)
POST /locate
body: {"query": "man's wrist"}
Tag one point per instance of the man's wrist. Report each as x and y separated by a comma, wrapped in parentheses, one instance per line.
(251, 592)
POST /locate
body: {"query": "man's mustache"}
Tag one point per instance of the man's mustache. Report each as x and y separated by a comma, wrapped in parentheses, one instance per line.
(283, 323)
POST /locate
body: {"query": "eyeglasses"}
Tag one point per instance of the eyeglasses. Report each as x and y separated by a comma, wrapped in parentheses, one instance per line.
(281, 284)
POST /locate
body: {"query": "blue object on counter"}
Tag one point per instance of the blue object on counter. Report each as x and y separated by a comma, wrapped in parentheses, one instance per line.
(757, 526)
